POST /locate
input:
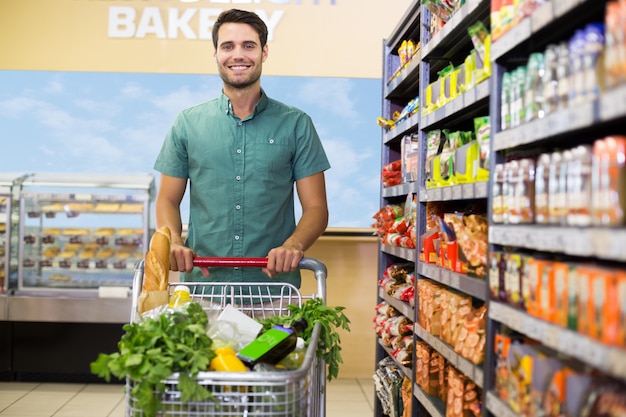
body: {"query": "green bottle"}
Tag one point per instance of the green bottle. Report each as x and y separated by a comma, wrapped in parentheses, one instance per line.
(273, 345)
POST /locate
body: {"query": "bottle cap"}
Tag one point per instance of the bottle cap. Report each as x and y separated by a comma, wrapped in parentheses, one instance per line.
(182, 288)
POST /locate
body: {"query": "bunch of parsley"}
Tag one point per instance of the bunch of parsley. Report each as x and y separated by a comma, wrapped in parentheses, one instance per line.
(330, 318)
(154, 349)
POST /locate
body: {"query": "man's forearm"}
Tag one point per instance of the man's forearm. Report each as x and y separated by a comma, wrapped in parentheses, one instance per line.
(310, 227)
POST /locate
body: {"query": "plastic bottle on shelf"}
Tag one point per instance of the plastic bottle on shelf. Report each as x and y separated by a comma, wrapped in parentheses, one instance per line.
(180, 296)
(541, 189)
(525, 191)
(496, 201)
(594, 44)
(563, 75)
(514, 203)
(273, 345)
(550, 80)
(505, 103)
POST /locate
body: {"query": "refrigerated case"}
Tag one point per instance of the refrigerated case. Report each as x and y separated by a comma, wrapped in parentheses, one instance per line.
(79, 238)
(81, 233)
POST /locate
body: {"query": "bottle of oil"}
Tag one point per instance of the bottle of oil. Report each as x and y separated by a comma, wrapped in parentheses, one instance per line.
(273, 345)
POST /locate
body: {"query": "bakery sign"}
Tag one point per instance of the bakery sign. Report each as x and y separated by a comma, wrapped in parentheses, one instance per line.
(317, 38)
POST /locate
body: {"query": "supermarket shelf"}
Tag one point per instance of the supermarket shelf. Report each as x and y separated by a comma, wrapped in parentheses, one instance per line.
(400, 190)
(403, 128)
(469, 191)
(603, 243)
(406, 371)
(404, 308)
(497, 407)
(434, 406)
(473, 372)
(608, 107)
(456, 28)
(472, 97)
(607, 359)
(566, 121)
(475, 287)
(404, 253)
(407, 80)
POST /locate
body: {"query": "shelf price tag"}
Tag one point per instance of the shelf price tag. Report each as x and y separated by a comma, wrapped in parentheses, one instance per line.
(468, 191)
(446, 193)
(502, 140)
(457, 192)
(481, 189)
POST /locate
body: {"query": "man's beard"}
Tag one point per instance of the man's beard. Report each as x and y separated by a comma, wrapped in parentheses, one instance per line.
(240, 83)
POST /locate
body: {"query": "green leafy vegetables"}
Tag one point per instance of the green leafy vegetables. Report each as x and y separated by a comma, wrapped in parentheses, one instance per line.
(154, 349)
(330, 319)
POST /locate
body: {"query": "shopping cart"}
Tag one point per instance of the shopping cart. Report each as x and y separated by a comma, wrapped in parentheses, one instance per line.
(290, 393)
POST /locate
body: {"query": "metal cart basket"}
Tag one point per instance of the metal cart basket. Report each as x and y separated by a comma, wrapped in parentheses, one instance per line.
(289, 393)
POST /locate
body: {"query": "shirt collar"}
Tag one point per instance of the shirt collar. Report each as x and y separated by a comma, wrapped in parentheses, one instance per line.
(226, 107)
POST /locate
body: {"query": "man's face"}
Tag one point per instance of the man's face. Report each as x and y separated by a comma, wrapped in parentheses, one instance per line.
(239, 55)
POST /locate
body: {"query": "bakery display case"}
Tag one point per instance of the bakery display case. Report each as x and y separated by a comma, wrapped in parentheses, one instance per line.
(81, 234)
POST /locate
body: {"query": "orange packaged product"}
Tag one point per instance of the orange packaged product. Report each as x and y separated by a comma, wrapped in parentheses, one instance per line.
(585, 274)
(616, 154)
(604, 308)
(561, 271)
(542, 289)
(620, 295)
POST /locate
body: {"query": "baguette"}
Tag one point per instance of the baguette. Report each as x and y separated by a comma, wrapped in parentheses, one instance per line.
(157, 262)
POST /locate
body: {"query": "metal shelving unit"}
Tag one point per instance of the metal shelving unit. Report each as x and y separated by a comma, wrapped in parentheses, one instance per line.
(553, 22)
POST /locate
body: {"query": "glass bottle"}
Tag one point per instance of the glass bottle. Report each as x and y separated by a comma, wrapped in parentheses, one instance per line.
(273, 345)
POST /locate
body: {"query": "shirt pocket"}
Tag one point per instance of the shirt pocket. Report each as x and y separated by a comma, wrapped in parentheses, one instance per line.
(272, 156)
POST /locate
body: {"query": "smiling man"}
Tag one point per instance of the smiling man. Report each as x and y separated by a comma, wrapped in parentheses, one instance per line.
(241, 154)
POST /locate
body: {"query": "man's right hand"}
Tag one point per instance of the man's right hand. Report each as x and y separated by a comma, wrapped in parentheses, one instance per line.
(181, 259)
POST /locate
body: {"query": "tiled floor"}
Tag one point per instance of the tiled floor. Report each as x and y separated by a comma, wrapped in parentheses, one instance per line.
(345, 398)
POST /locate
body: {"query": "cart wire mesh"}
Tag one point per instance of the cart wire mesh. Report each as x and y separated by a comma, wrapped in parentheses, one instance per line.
(284, 393)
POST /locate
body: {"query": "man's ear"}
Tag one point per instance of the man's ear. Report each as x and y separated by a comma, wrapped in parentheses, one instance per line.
(265, 52)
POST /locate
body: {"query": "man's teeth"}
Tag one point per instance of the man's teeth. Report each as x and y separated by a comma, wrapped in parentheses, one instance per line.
(239, 67)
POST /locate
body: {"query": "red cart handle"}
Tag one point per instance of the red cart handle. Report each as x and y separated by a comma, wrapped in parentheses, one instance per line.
(230, 262)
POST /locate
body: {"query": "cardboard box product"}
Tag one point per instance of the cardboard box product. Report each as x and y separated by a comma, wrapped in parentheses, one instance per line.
(620, 294)
(495, 272)
(561, 293)
(602, 320)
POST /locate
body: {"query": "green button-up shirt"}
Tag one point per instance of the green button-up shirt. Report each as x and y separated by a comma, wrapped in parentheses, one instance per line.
(241, 178)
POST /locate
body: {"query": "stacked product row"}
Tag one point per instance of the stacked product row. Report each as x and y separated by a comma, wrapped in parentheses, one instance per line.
(576, 187)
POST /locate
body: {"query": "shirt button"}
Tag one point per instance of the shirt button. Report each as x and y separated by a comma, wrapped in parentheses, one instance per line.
(236, 237)
(238, 150)
(240, 123)
(271, 140)
(238, 178)
(237, 207)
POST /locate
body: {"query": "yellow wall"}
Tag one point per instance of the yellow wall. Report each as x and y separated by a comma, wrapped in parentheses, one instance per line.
(352, 265)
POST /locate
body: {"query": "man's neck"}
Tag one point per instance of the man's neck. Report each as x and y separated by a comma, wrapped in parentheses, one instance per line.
(243, 100)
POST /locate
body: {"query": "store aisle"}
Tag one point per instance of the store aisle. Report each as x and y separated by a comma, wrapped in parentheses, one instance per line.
(346, 398)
